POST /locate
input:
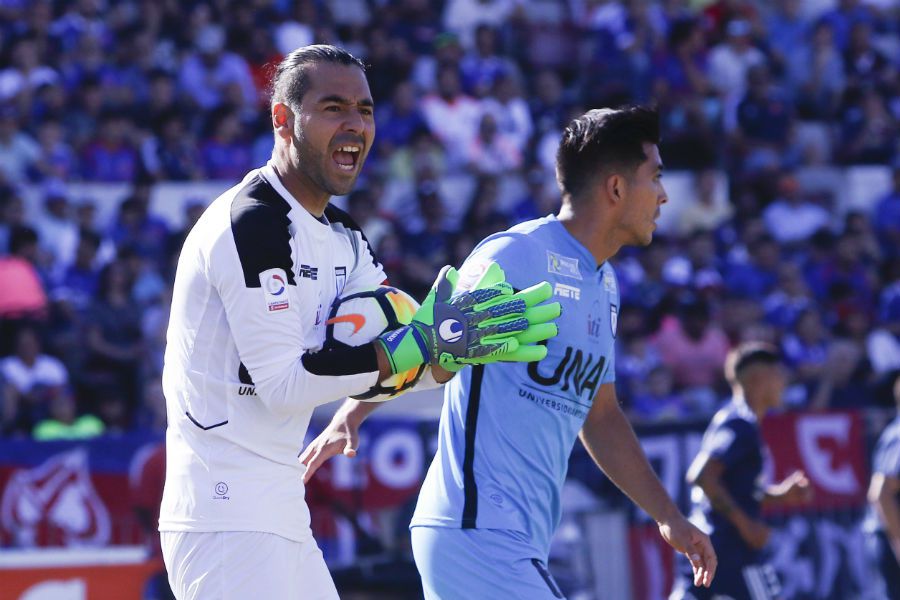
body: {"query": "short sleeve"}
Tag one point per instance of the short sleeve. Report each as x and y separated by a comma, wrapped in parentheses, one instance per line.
(731, 442)
(887, 457)
(512, 251)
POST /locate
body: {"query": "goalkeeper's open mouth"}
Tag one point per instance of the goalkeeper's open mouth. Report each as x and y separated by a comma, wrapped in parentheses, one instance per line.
(346, 157)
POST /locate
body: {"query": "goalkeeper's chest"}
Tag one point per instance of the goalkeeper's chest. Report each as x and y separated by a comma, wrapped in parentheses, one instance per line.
(322, 267)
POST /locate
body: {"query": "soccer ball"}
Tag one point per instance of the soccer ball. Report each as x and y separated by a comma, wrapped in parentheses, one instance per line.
(361, 317)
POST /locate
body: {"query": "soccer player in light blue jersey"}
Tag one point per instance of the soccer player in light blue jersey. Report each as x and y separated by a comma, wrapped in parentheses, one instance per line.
(491, 499)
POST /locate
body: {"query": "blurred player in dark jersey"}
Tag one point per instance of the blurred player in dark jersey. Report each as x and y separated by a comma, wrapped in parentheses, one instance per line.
(728, 492)
(884, 497)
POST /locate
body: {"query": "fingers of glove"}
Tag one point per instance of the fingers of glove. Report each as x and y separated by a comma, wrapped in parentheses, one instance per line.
(494, 293)
(543, 313)
(489, 315)
(538, 333)
(445, 284)
(491, 348)
(524, 353)
(480, 354)
(487, 332)
(535, 294)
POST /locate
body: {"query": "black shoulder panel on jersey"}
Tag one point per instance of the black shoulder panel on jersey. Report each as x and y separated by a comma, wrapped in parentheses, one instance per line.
(336, 215)
(260, 225)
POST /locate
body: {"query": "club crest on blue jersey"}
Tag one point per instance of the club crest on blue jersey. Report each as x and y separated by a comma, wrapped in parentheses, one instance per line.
(273, 283)
(562, 265)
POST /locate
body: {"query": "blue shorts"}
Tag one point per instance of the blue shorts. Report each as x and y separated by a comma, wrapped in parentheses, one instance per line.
(468, 564)
(882, 555)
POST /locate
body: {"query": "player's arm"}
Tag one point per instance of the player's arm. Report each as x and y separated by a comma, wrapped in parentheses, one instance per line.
(707, 472)
(883, 491)
(793, 489)
(341, 436)
(480, 271)
(609, 439)
(268, 309)
(251, 268)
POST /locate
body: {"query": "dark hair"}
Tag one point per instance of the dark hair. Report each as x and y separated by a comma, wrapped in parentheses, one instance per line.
(86, 236)
(681, 31)
(20, 237)
(747, 355)
(291, 79)
(603, 139)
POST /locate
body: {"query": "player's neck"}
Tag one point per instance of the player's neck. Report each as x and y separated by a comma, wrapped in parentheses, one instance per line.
(301, 188)
(592, 230)
(757, 406)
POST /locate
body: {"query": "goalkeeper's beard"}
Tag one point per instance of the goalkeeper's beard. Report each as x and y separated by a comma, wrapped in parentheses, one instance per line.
(313, 165)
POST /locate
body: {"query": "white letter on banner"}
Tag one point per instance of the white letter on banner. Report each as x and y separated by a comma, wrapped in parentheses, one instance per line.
(812, 428)
(397, 459)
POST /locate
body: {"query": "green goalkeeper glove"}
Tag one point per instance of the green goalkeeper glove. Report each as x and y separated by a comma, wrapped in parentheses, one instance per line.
(473, 327)
(539, 316)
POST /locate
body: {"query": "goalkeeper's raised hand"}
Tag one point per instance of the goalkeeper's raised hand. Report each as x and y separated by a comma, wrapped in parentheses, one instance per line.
(478, 326)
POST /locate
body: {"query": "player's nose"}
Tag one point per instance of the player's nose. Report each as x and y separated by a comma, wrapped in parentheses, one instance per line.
(353, 122)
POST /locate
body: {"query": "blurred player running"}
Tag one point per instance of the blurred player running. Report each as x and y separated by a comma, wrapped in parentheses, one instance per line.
(727, 473)
(883, 519)
(491, 499)
(242, 373)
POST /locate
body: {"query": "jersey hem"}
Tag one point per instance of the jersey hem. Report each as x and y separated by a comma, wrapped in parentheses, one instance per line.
(212, 528)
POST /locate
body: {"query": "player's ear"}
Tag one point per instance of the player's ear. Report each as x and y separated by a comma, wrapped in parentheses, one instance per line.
(615, 187)
(282, 117)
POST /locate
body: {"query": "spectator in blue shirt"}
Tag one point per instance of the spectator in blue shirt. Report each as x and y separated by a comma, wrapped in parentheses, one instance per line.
(758, 276)
(400, 119)
(787, 30)
(137, 228)
(765, 119)
(111, 156)
(482, 66)
(843, 17)
(80, 280)
(207, 73)
(887, 217)
(226, 155)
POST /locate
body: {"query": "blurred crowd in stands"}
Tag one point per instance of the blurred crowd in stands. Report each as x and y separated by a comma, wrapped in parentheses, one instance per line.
(143, 91)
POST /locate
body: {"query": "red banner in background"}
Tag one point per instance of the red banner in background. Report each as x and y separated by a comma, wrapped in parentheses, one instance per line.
(829, 447)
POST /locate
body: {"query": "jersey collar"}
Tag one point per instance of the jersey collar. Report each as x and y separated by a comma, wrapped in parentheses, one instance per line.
(575, 246)
(743, 409)
(298, 215)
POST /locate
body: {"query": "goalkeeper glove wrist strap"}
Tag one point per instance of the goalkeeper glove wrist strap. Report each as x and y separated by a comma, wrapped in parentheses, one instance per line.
(405, 348)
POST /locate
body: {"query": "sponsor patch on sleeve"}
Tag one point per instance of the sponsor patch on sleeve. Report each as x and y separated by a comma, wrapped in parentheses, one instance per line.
(562, 265)
(274, 285)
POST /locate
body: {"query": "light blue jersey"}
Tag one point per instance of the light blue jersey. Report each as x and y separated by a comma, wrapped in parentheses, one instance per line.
(507, 430)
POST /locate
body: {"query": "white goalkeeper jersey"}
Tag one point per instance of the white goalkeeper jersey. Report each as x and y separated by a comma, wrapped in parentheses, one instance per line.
(255, 279)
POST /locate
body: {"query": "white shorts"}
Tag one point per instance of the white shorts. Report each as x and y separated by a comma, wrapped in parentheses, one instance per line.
(235, 565)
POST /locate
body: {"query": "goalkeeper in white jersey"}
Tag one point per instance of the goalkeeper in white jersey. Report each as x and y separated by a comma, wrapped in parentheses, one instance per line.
(243, 367)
